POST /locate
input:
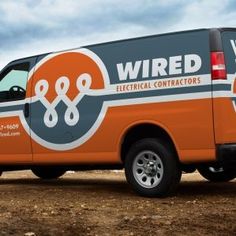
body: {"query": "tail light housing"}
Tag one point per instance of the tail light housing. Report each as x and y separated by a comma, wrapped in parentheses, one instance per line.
(218, 69)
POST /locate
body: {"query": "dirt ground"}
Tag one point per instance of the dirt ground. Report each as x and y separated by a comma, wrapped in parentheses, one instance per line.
(102, 203)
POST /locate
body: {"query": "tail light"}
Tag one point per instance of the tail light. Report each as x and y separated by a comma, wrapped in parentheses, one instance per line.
(218, 70)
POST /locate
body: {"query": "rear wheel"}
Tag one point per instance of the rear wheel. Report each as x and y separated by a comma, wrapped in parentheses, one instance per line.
(152, 168)
(217, 173)
(48, 172)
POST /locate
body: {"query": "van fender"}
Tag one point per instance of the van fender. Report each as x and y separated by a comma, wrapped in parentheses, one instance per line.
(132, 125)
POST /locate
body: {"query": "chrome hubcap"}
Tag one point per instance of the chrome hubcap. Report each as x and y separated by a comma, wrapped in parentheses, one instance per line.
(148, 169)
(216, 170)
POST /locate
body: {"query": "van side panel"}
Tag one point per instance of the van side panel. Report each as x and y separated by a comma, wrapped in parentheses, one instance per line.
(225, 98)
(163, 80)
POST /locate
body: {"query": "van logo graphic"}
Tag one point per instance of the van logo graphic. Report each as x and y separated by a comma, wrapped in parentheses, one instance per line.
(65, 110)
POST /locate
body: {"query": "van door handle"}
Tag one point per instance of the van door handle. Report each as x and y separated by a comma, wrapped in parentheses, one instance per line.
(26, 110)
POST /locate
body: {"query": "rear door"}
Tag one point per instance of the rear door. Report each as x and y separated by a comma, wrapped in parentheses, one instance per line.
(224, 91)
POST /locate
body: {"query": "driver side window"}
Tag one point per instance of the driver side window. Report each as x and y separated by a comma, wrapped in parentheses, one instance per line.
(13, 81)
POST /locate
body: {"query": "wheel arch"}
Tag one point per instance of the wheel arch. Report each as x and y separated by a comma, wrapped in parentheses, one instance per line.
(145, 129)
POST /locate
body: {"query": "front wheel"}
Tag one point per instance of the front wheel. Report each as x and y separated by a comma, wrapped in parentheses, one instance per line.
(44, 172)
(217, 174)
(152, 168)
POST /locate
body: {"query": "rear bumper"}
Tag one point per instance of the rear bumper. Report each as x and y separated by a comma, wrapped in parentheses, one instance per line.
(226, 154)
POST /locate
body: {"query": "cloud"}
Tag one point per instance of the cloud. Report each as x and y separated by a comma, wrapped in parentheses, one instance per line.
(30, 27)
(206, 14)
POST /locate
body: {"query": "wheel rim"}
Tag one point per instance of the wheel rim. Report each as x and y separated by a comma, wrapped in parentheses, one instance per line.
(148, 169)
(216, 170)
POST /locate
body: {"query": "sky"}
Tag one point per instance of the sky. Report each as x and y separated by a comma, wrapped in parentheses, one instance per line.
(29, 27)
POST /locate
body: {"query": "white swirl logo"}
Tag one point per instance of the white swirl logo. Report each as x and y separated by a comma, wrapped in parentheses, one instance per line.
(62, 85)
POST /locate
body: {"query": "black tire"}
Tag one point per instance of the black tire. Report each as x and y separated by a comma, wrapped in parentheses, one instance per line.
(169, 168)
(48, 172)
(217, 174)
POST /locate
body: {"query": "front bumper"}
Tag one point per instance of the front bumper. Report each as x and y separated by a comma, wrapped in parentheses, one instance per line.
(226, 154)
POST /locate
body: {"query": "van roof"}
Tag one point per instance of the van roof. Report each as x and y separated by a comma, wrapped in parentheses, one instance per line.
(136, 38)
